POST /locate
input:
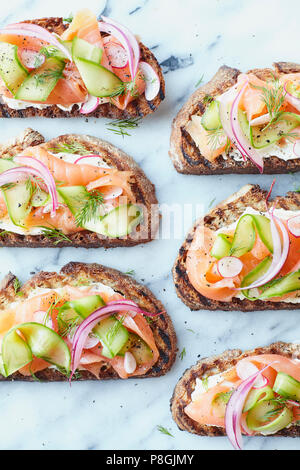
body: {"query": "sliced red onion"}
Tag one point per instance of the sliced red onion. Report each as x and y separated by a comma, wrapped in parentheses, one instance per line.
(279, 254)
(293, 403)
(15, 175)
(117, 55)
(245, 369)
(90, 105)
(260, 120)
(240, 140)
(29, 58)
(87, 156)
(151, 80)
(294, 225)
(229, 266)
(44, 173)
(293, 100)
(85, 328)
(234, 409)
(35, 31)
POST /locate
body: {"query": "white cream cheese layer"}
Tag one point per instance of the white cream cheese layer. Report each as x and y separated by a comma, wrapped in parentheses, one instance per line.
(203, 385)
(12, 103)
(280, 213)
(95, 287)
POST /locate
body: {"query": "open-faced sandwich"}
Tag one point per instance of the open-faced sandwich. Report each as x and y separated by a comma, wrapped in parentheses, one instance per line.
(255, 393)
(241, 123)
(87, 322)
(243, 255)
(51, 68)
(73, 190)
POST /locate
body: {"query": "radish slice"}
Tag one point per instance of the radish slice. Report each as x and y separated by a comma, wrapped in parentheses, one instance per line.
(30, 58)
(245, 369)
(296, 148)
(241, 141)
(294, 225)
(229, 266)
(86, 156)
(35, 31)
(90, 105)
(264, 119)
(293, 100)
(116, 54)
(91, 342)
(129, 363)
(151, 80)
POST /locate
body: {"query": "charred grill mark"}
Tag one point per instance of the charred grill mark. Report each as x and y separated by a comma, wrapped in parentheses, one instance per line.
(165, 337)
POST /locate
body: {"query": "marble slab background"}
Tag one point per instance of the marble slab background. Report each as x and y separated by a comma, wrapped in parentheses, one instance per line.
(191, 39)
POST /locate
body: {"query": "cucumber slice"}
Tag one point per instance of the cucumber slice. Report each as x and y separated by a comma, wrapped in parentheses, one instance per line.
(221, 246)
(256, 396)
(113, 336)
(137, 346)
(99, 81)
(17, 200)
(74, 197)
(40, 198)
(256, 418)
(6, 165)
(11, 70)
(122, 220)
(255, 274)
(281, 286)
(40, 83)
(287, 386)
(15, 352)
(244, 235)
(261, 137)
(87, 305)
(84, 50)
(211, 117)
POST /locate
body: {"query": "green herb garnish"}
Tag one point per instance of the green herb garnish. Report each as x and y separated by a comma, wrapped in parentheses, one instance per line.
(131, 272)
(4, 232)
(69, 19)
(70, 147)
(113, 330)
(215, 138)
(120, 126)
(182, 354)
(55, 234)
(48, 73)
(17, 286)
(199, 81)
(164, 430)
(90, 209)
(273, 98)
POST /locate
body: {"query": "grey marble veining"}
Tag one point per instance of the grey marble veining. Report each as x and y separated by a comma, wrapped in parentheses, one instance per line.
(191, 39)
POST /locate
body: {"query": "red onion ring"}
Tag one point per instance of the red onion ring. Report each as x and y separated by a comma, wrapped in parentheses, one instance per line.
(91, 321)
(234, 409)
(241, 141)
(87, 156)
(35, 31)
(123, 39)
(14, 175)
(45, 174)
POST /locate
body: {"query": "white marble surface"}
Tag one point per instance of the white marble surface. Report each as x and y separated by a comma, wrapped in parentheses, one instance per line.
(191, 38)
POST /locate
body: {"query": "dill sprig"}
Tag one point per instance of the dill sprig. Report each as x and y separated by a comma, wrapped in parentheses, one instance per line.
(131, 272)
(17, 286)
(164, 430)
(199, 81)
(69, 19)
(113, 330)
(90, 209)
(48, 73)
(280, 403)
(70, 147)
(182, 354)
(54, 234)
(120, 126)
(273, 98)
(215, 138)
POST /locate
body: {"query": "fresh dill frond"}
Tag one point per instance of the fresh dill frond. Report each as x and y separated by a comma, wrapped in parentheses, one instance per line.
(47, 74)
(126, 87)
(273, 97)
(215, 138)
(205, 383)
(17, 286)
(69, 19)
(67, 328)
(131, 272)
(90, 208)
(54, 234)
(182, 354)
(164, 430)
(120, 126)
(211, 203)
(70, 147)
(199, 81)
(190, 330)
(113, 330)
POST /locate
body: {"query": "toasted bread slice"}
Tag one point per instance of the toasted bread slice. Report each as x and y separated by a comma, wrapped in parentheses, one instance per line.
(138, 108)
(214, 365)
(80, 274)
(185, 154)
(141, 187)
(224, 214)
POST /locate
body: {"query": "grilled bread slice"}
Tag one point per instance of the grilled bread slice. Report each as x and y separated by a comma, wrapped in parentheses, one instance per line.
(138, 108)
(214, 365)
(224, 214)
(81, 274)
(142, 188)
(185, 154)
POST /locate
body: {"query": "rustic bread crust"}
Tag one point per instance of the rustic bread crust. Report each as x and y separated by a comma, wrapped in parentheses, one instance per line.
(224, 214)
(74, 273)
(138, 108)
(214, 365)
(185, 154)
(142, 188)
